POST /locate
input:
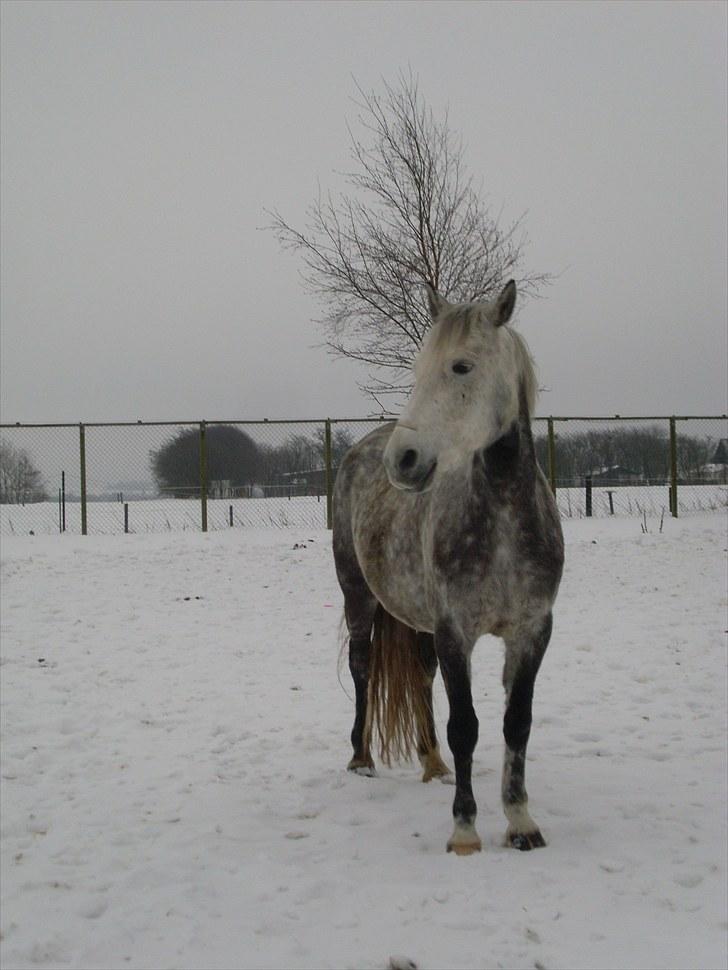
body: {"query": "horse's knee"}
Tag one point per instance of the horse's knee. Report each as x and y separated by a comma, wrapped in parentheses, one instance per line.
(523, 659)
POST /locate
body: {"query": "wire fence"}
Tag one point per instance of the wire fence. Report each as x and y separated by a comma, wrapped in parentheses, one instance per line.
(151, 477)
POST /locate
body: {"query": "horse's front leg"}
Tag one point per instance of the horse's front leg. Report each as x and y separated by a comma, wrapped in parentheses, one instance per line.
(523, 658)
(462, 734)
(428, 750)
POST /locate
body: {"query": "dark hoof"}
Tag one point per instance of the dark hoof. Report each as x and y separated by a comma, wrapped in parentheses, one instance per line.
(525, 841)
(361, 767)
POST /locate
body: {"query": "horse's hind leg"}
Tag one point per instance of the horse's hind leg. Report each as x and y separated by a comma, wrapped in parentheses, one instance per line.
(428, 749)
(523, 658)
(360, 607)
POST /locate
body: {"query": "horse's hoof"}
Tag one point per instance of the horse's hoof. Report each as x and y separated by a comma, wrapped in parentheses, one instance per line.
(464, 841)
(524, 841)
(445, 776)
(435, 767)
(365, 771)
(364, 768)
(465, 848)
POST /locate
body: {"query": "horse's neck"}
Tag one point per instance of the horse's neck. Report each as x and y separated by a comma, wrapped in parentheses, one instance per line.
(512, 457)
(511, 453)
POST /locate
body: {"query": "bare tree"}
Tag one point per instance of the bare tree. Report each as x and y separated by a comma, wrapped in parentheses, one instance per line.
(20, 480)
(413, 216)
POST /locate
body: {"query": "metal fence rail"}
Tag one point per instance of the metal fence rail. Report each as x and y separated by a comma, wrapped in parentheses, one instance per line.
(152, 476)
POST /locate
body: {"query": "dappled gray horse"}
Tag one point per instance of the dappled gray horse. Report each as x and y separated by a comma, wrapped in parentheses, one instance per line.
(445, 529)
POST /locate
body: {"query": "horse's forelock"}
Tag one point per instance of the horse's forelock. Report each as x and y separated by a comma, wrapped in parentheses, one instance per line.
(454, 327)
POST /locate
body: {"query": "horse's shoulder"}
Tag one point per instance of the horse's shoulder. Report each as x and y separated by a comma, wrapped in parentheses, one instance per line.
(369, 448)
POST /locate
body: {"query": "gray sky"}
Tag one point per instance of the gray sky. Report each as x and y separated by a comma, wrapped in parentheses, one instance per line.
(141, 143)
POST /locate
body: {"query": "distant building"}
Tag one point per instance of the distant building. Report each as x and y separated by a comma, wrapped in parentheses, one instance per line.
(721, 453)
(616, 475)
(717, 468)
(309, 482)
(220, 489)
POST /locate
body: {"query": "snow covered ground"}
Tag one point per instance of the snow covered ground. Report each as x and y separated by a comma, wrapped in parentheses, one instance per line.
(174, 791)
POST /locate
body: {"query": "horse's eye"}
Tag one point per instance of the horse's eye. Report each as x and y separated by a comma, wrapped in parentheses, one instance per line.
(461, 367)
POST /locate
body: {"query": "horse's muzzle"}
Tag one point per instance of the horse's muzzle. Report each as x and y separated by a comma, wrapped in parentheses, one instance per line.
(407, 467)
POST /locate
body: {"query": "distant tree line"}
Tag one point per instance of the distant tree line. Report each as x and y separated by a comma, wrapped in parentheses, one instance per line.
(20, 480)
(644, 451)
(233, 456)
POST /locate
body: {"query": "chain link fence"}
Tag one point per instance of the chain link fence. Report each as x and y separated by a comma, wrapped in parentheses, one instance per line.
(153, 477)
(635, 466)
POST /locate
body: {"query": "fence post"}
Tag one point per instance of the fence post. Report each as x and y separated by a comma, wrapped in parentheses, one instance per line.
(552, 454)
(328, 472)
(203, 475)
(673, 467)
(82, 452)
(588, 491)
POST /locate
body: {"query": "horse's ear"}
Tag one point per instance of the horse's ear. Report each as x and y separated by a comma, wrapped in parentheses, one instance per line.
(505, 303)
(436, 303)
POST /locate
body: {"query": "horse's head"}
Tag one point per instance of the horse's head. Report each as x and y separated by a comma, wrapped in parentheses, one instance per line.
(468, 375)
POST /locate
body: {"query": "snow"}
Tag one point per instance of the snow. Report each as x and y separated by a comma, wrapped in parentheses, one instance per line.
(309, 511)
(174, 791)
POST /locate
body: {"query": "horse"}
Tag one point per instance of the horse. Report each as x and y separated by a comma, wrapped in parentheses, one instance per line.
(445, 529)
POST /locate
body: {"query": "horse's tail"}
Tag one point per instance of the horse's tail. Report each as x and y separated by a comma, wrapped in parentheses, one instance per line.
(397, 705)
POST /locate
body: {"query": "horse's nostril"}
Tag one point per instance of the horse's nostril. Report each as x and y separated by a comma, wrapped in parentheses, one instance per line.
(408, 460)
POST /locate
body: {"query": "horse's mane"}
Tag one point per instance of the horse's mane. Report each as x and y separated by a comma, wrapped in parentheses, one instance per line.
(457, 324)
(526, 369)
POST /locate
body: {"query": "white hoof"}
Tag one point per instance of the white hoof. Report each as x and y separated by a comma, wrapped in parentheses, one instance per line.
(464, 840)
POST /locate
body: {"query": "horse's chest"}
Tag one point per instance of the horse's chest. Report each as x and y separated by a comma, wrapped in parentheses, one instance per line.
(476, 572)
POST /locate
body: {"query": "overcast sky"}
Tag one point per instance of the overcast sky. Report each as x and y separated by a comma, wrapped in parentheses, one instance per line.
(141, 143)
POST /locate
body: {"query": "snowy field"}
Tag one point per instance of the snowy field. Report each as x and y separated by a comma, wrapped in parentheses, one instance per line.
(309, 512)
(174, 792)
